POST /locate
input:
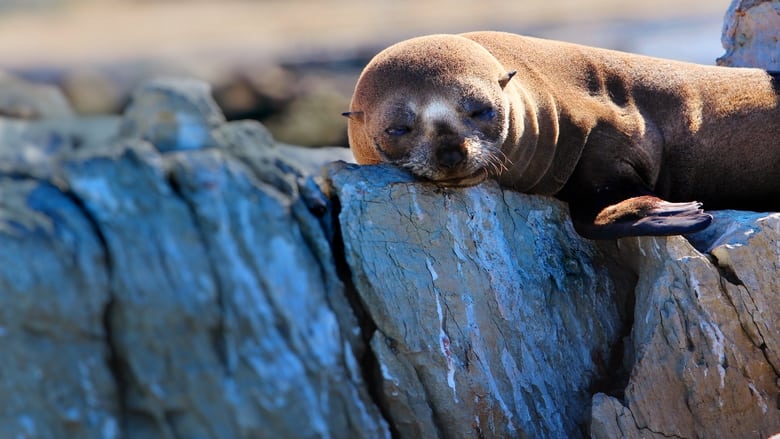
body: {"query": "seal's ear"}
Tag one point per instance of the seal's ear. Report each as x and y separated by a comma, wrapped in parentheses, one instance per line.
(353, 115)
(503, 81)
(363, 148)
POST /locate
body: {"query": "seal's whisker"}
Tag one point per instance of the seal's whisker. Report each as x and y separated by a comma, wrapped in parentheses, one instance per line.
(496, 163)
(504, 161)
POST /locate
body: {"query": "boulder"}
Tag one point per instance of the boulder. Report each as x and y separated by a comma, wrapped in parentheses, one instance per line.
(54, 376)
(491, 316)
(172, 114)
(751, 34)
(156, 292)
(21, 99)
(705, 335)
(494, 319)
(34, 148)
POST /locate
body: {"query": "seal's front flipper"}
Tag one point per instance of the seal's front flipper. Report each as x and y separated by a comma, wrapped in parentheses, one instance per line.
(644, 216)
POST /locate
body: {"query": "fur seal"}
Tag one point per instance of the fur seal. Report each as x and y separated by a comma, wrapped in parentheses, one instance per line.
(628, 141)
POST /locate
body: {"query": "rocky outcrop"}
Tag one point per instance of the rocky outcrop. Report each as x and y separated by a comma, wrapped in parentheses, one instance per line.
(477, 306)
(55, 380)
(518, 321)
(185, 293)
(704, 340)
(24, 100)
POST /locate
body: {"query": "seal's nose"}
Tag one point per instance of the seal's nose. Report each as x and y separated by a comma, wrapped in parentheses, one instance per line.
(451, 156)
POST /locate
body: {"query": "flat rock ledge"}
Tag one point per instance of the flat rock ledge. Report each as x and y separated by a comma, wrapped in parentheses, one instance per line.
(169, 274)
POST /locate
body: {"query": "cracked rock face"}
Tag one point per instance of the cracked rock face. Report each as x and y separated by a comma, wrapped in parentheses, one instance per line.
(494, 319)
(705, 335)
(54, 380)
(171, 294)
(488, 322)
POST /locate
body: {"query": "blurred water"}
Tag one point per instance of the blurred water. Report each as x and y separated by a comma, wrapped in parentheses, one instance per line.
(78, 31)
(34, 5)
(690, 39)
(696, 42)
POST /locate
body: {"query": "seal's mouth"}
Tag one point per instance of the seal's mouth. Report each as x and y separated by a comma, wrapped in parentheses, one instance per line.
(470, 180)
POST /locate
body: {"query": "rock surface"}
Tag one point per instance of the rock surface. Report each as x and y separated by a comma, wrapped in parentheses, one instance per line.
(54, 378)
(503, 298)
(25, 100)
(477, 305)
(705, 335)
(751, 34)
(178, 294)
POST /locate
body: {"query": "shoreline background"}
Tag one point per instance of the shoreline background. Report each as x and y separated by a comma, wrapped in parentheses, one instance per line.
(292, 64)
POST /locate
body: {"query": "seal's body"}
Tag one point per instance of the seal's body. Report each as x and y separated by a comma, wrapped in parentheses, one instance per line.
(628, 141)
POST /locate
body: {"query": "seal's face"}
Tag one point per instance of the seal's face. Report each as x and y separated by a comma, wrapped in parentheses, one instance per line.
(452, 136)
(434, 109)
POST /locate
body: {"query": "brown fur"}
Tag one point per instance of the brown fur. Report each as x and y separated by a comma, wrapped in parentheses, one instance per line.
(591, 126)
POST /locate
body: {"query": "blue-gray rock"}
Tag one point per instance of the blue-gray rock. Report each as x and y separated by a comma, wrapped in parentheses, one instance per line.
(172, 114)
(493, 317)
(706, 335)
(751, 34)
(151, 292)
(220, 321)
(34, 148)
(20, 99)
(54, 292)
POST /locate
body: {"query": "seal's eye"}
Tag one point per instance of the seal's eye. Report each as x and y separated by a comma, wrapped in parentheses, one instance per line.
(398, 131)
(484, 114)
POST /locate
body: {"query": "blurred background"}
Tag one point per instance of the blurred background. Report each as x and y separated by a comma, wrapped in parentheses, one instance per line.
(292, 64)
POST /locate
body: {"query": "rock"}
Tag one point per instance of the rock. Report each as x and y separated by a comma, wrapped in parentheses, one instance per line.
(33, 148)
(92, 92)
(21, 99)
(164, 315)
(172, 114)
(751, 34)
(220, 321)
(278, 164)
(479, 296)
(204, 302)
(55, 288)
(705, 336)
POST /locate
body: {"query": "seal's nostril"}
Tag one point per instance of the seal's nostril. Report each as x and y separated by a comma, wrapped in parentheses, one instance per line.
(450, 157)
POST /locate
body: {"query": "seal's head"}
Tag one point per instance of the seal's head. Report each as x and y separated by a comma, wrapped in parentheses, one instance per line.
(435, 106)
